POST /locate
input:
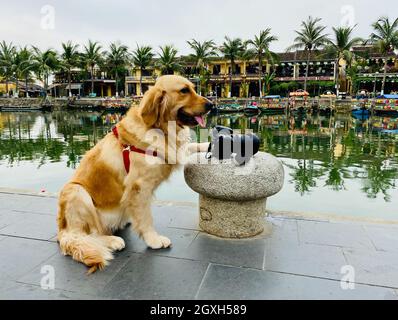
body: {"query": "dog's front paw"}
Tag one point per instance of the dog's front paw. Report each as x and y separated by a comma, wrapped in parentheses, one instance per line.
(116, 243)
(156, 241)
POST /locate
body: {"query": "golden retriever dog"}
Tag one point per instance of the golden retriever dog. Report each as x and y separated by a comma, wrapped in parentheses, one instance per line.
(104, 195)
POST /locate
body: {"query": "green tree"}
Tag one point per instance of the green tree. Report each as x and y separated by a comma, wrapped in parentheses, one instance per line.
(268, 80)
(310, 38)
(168, 61)
(92, 57)
(142, 59)
(116, 60)
(245, 88)
(379, 180)
(261, 45)
(22, 66)
(305, 175)
(7, 51)
(45, 62)
(70, 58)
(232, 49)
(385, 40)
(341, 48)
(352, 72)
(202, 52)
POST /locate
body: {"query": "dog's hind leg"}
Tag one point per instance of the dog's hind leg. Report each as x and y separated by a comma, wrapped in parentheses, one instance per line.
(80, 232)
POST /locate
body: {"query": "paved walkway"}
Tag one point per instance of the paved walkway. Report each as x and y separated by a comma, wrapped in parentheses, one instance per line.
(302, 260)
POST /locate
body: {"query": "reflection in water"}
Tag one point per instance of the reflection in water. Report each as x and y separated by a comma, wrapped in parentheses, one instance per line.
(335, 148)
(340, 153)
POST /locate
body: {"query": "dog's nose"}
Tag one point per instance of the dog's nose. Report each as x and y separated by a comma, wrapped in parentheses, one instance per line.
(208, 106)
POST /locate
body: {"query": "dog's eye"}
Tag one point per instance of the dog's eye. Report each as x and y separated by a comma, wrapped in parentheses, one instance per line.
(184, 90)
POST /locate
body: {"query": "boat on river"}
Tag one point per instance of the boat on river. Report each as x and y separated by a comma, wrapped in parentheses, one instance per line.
(229, 108)
(360, 110)
(115, 105)
(25, 104)
(298, 101)
(272, 105)
(22, 108)
(386, 105)
(386, 125)
(252, 109)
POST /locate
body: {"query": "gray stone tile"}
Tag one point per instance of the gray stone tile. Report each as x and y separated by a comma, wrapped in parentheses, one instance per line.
(230, 283)
(183, 217)
(180, 238)
(36, 204)
(30, 225)
(5, 218)
(71, 275)
(284, 232)
(334, 234)
(376, 268)
(306, 259)
(11, 290)
(11, 201)
(19, 256)
(242, 253)
(41, 205)
(154, 277)
(384, 238)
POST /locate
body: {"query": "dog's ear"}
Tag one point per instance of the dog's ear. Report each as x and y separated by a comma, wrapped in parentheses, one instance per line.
(152, 105)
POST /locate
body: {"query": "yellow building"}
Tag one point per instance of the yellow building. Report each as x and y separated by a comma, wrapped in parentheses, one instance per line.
(3, 87)
(245, 78)
(218, 81)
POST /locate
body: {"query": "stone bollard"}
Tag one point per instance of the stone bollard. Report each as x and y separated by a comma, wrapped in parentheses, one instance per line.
(232, 198)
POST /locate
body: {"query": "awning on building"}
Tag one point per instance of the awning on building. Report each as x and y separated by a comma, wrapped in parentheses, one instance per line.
(299, 93)
(74, 86)
(54, 85)
(389, 96)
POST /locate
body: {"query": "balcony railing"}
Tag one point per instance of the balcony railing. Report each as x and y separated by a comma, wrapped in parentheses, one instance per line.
(311, 78)
(377, 75)
(144, 78)
(254, 76)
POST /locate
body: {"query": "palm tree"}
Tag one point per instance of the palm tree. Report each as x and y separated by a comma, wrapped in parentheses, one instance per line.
(261, 45)
(142, 58)
(116, 59)
(168, 61)
(246, 53)
(7, 51)
(232, 49)
(92, 57)
(202, 52)
(69, 59)
(268, 79)
(352, 72)
(341, 48)
(22, 66)
(45, 62)
(385, 39)
(309, 38)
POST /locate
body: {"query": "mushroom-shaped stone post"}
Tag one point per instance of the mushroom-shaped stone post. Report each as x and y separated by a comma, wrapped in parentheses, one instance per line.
(232, 198)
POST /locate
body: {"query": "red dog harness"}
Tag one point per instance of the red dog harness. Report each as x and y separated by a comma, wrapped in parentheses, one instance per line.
(129, 148)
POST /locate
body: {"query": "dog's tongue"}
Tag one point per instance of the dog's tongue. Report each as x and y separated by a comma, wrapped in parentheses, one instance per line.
(200, 121)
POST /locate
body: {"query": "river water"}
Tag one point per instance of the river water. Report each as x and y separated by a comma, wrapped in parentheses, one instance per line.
(333, 164)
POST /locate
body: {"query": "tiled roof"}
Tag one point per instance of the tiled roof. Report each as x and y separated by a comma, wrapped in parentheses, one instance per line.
(301, 55)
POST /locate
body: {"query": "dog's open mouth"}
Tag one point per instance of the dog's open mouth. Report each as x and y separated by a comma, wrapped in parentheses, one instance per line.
(187, 119)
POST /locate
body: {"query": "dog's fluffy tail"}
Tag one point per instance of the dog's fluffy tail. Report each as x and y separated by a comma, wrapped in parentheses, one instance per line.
(85, 248)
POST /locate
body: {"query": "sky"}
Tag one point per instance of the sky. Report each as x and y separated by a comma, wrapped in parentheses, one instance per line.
(47, 24)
